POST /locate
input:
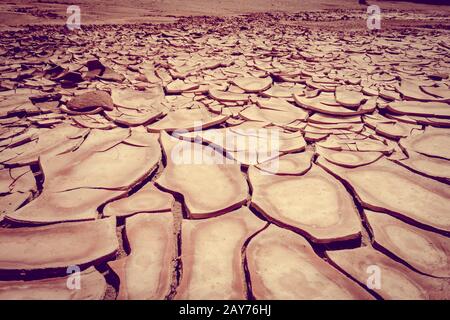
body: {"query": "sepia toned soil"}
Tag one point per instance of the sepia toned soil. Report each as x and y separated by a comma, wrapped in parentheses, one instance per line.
(224, 150)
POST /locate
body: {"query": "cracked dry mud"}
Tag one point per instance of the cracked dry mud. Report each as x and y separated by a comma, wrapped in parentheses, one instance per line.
(90, 120)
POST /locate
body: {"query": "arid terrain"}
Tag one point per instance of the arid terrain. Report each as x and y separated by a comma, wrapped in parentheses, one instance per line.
(224, 150)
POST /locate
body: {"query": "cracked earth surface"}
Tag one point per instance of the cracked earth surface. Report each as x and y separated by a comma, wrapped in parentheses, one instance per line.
(87, 122)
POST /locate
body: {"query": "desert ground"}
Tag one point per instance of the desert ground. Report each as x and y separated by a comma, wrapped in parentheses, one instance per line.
(224, 150)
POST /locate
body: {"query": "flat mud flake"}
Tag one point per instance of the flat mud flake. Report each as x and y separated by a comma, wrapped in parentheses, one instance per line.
(134, 117)
(348, 159)
(314, 204)
(179, 86)
(91, 100)
(426, 251)
(5, 181)
(122, 165)
(57, 246)
(148, 199)
(30, 135)
(432, 167)
(370, 91)
(282, 105)
(433, 121)
(330, 119)
(433, 143)
(324, 86)
(349, 98)
(283, 266)
(16, 103)
(12, 201)
(227, 96)
(394, 131)
(278, 92)
(93, 287)
(320, 105)
(252, 84)
(369, 145)
(441, 91)
(277, 117)
(146, 273)
(132, 99)
(412, 91)
(93, 121)
(289, 164)
(8, 154)
(11, 130)
(73, 205)
(186, 119)
(388, 187)
(24, 181)
(276, 140)
(51, 143)
(396, 281)
(417, 108)
(139, 137)
(209, 184)
(211, 255)
(71, 112)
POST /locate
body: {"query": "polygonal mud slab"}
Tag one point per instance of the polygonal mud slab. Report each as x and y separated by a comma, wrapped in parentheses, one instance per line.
(254, 113)
(389, 279)
(148, 199)
(57, 246)
(349, 98)
(227, 96)
(426, 251)
(389, 187)
(56, 141)
(348, 159)
(433, 143)
(416, 108)
(208, 184)
(91, 165)
(73, 205)
(289, 164)
(283, 106)
(251, 84)
(10, 202)
(328, 105)
(133, 117)
(282, 265)
(432, 167)
(411, 90)
(132, 99)
(90, 285)
(314, 204)
(146, 273)
(186, 119)
(178, 86)
(211, 255)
